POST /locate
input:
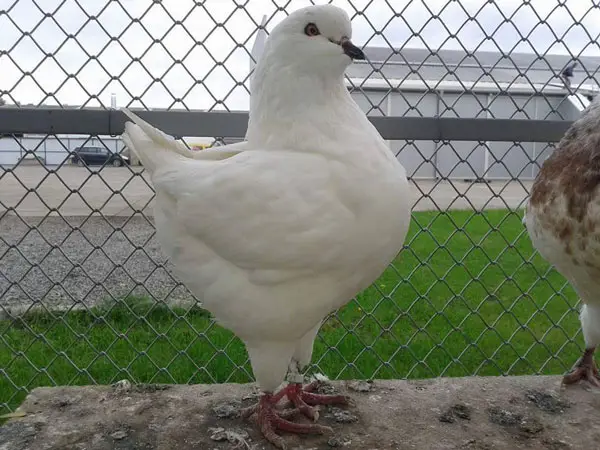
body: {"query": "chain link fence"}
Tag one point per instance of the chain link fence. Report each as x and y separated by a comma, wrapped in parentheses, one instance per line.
(479, 93)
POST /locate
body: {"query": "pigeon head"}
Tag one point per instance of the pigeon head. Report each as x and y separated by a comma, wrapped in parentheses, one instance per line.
(298, 81)
(313, 39)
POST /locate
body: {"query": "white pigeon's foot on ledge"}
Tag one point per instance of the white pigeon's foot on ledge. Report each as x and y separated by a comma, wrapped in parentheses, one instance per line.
(586, 370)
(269, 420)
(307, 396)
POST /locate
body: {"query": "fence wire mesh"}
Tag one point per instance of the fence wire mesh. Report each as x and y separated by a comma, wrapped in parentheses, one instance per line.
(86, 295)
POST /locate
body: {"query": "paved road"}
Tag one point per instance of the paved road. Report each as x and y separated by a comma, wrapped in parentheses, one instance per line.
(118, 191)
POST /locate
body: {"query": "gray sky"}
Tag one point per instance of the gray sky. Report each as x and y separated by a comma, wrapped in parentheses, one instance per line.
(112, 59)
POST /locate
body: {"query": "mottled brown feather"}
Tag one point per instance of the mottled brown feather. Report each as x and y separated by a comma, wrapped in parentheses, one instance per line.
(573, 170)
(565, 198)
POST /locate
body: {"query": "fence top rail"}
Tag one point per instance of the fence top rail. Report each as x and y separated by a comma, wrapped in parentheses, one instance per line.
(98, 121)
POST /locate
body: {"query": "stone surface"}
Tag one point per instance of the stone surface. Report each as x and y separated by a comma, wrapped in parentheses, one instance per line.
(495, 413)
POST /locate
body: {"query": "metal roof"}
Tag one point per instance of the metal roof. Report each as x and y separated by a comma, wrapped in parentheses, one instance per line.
(481, 66)
(424, 69)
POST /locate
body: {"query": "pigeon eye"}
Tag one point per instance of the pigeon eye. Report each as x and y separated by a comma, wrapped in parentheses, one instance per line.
(311, 30)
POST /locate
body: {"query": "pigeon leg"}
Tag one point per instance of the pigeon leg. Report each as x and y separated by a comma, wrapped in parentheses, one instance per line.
(585, 370)
(269, 420)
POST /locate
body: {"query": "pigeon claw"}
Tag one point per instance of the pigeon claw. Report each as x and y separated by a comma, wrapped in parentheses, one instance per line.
(296, 395)
(303, 399)
(306, 401)
(586, 370)
(322, 399)
(270, 420)
(311, 398)
(580, 374)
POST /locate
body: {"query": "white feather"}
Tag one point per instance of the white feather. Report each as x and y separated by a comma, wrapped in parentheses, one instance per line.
(292, 224)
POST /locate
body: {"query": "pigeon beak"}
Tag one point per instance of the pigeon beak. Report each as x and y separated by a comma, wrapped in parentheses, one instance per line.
(351, 50)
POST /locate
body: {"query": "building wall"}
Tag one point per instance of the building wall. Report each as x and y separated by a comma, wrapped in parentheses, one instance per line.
(467, 160)
(417, 157)
(422, 159)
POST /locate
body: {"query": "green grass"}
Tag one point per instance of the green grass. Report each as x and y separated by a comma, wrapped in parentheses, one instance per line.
(468, 296)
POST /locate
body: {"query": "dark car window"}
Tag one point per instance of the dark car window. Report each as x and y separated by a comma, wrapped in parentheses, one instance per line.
(98, 155)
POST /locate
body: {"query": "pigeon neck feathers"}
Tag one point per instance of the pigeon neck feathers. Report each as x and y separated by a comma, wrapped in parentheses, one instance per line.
(286, 102)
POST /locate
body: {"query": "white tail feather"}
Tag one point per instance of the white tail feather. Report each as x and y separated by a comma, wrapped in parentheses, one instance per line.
(158, 136)
(155, 148)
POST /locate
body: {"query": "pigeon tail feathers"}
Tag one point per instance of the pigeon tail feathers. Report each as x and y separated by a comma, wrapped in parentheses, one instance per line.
(153, 147)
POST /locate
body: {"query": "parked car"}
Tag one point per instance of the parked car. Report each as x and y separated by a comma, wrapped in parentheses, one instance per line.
(90, 156)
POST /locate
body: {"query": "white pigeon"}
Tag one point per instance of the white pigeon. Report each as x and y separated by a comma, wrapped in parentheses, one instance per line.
(563, 221)
(277, 232)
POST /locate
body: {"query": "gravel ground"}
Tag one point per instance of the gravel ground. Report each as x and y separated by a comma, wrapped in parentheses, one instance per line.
(79, 262)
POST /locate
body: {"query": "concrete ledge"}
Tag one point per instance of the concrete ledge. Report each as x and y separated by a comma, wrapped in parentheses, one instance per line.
(495, 413)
